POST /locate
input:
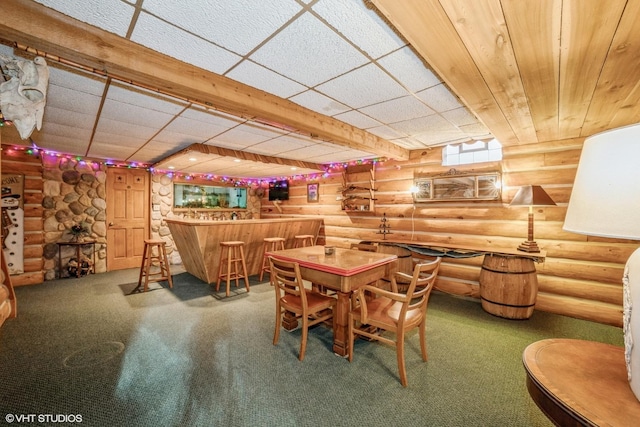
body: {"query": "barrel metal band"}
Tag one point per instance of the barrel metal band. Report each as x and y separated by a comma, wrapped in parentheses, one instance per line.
(506, 272)
(507, 305)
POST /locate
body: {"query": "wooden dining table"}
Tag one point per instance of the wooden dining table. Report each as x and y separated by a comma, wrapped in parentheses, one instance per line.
(344, 271)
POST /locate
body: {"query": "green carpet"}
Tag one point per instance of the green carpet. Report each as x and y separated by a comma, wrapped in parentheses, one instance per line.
(190, 357)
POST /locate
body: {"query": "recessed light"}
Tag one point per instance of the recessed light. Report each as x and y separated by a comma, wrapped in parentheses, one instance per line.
(237, 160)
(172, 167)
(293, 168)
(192, 159)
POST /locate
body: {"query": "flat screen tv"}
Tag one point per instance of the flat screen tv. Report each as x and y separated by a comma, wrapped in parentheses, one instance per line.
(279, 190)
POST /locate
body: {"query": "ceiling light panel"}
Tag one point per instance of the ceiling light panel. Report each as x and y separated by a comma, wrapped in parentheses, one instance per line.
(238, 25)
(294, 52)
(260, 77)
(365, 86)
(110, 15)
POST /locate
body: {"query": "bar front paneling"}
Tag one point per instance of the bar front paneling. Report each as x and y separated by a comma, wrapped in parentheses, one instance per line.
(198, 241)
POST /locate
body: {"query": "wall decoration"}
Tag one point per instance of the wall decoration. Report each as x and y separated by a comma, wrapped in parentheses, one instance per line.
(455, 186)
(313, 194)
(13, 222)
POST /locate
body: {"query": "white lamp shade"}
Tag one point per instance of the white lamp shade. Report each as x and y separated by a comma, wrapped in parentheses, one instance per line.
(605, 200)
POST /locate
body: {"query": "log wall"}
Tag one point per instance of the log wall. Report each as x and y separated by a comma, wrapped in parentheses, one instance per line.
(581, 276)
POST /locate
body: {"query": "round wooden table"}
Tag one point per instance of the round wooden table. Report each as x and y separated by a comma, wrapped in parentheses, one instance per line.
(578, 383)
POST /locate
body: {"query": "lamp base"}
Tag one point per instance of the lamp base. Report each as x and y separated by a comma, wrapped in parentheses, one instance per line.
(529, 246)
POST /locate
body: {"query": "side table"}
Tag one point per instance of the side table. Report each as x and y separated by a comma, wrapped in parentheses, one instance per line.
(78, 246)
(580, 383)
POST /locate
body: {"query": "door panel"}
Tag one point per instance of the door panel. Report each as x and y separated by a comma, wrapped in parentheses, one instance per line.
(127, 217)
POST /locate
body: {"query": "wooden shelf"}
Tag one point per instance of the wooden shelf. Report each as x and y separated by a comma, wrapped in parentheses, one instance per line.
(358, 188)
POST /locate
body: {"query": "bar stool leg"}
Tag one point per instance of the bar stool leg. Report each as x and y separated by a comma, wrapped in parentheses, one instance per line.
(244, 269)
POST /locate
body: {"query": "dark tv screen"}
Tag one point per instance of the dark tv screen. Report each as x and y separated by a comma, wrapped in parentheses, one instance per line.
(279, 190)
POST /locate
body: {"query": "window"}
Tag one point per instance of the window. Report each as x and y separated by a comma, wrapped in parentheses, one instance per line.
(208, 197)
(474, 152)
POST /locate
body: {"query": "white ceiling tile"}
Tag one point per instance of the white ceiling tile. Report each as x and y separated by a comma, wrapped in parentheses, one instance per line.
(71, 119)
(387, 132)
(110, 15)
(294, 52)
(70, 100)
(365, 86)
(245, 135)
(357, 119)
(440, 137)
(114, 111)
(255, 75)
(409, 70)
(277, 146)
(439, 98)
(409, 143)
(360, 24)
(130, 95)
(319, 103)
(238, 25)
(112, 146)
(172, 41)
(77, 81)
(420, 124)
(476, 130)
(460, 116)
(399, 109)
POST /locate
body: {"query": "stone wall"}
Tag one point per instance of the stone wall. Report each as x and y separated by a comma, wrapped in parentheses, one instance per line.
(74, 192)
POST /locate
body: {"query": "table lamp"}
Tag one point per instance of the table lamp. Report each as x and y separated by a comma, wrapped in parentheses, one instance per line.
(605, 201)
(531, 195)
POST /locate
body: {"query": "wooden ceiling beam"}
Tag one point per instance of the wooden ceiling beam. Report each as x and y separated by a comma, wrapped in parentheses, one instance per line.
(38, 27)
(242, 155)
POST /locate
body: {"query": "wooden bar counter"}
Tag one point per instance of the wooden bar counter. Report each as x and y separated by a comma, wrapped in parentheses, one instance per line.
(198, 241)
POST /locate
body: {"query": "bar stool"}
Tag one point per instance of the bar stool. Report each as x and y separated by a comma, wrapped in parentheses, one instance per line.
(302, 240)
(269, 244)
(232, 253)
(160, 258)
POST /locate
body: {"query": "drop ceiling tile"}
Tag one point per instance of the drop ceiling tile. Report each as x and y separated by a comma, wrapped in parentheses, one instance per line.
(439, 98)
(75, 80)
(201, 124)
(176, 43)
(122, 113)
(365, 86)
(409, 143)
(360, 24)
(257, 76)
(154, 101)
(58, 141)
(71, 100)
(440, 137)
(396, 110)
(319, 103)
(476, 130)
(124, 131)
(421, 124)
(110, 15)
(387, 132)
(237, 25)
(357, 119)
(111, 146)
(71, 119)
(409, 70)
(244, 136)
(460, 116)
(294, 52)
(278, 146)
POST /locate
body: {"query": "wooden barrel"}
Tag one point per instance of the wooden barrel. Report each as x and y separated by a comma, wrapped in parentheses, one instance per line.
(508, 286)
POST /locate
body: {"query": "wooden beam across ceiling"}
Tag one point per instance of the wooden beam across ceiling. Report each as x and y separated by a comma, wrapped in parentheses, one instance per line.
(38, 27)
(242, 155)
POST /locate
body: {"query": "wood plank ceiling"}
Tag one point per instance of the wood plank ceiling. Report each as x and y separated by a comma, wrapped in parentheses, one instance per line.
(282, 83)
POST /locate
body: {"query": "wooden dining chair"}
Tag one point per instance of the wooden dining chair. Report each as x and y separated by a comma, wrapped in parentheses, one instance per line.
(394, 311)
(307, 305)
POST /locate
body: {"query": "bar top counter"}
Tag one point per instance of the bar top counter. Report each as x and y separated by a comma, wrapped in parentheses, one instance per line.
(198, 240)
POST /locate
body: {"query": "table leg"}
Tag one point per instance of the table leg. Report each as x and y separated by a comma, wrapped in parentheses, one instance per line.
(340, 323)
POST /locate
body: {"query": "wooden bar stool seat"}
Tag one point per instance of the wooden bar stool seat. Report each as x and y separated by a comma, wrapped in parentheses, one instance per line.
(231, 259)
(159, 258)
(270, 244)
(303, 240)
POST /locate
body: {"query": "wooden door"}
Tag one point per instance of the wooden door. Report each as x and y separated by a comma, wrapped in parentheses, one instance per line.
(127, 216)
